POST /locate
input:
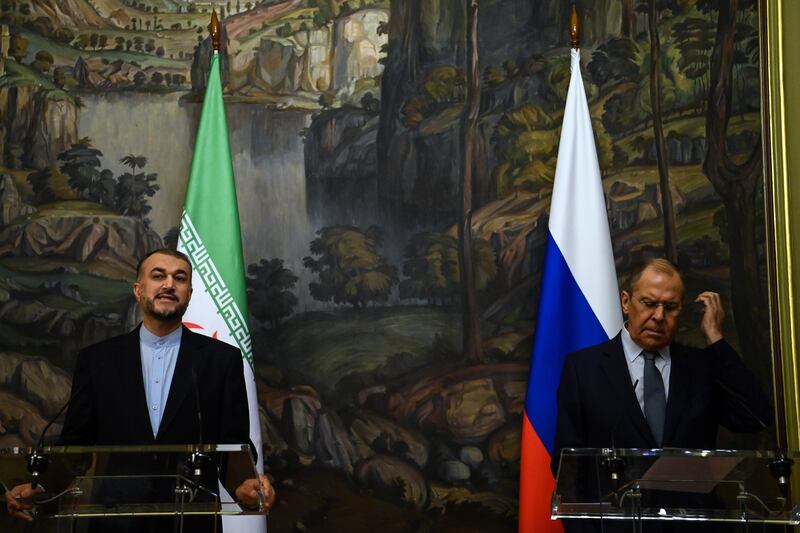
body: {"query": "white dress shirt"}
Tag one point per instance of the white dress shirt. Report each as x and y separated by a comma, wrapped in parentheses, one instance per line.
(159, 356)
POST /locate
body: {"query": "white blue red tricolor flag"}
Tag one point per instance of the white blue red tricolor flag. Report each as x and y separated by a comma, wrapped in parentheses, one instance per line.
(578, 304)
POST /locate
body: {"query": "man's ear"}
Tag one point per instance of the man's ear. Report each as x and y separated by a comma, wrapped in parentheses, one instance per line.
(137, 290)
(625, 299)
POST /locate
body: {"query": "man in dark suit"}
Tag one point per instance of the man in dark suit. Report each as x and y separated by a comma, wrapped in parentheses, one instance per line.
(701, 387)
(642, 390)
(138, 388)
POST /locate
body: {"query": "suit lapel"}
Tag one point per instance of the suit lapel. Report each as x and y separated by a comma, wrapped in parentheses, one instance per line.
(678, 395)
(616, 370)
(181, 385)
(131, 383)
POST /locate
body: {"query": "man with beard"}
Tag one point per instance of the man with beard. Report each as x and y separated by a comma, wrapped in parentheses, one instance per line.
(138, 388)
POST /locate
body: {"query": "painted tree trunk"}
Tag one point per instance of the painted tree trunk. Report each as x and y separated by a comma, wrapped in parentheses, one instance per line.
(737, 185)
(469, 130)
(668, 209)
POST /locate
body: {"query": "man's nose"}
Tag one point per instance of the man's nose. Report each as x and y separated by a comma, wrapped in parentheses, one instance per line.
(169, 282)
(658, 313)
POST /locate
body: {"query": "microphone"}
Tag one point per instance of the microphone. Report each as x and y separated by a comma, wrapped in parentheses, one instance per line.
(197, 406)
(741, 402)
(37, 462)
(780, 467)
(614, 463)
(198, 460)
(619, 419)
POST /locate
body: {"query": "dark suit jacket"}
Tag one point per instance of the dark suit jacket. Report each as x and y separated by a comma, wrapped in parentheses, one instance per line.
(707, 387)
(109, 407)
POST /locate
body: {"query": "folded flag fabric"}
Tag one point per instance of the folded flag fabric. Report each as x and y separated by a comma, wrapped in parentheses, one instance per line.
(578, 303)
(211, 236)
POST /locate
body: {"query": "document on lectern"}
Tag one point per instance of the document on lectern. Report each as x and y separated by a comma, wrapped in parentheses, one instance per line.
(687, 474)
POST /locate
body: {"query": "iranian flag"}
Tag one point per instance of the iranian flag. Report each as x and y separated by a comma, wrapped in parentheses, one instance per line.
(210, 235)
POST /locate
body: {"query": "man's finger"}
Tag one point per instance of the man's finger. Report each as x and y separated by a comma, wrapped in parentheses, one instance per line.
(22, 516)
(18, 509)
(708, 295)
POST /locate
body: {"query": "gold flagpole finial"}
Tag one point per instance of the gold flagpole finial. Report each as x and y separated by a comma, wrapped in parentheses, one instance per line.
(213, 29)
(574, 28)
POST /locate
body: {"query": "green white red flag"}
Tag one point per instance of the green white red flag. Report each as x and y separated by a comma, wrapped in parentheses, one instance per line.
(210, 235)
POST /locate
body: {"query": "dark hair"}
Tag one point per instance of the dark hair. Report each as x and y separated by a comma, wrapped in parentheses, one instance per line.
(163, 251)
(665, 266)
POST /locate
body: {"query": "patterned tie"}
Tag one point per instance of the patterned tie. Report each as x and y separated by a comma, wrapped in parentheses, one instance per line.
(655, 399)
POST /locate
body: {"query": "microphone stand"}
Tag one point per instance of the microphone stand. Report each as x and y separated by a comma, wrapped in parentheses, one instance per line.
(780, 466)
(198, 461)
(615, 464)
(37, 462)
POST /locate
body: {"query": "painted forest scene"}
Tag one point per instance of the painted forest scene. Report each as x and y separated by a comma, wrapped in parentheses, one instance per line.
(394, 163)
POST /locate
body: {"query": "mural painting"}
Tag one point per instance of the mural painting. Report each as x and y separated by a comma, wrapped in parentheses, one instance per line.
(391, 379)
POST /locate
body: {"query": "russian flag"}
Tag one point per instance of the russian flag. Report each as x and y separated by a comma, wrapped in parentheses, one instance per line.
(579, 300)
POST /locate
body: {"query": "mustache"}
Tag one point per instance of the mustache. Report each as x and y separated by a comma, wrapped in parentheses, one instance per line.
(166, 294)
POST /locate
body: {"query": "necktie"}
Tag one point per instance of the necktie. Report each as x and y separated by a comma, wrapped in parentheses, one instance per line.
(655, 399)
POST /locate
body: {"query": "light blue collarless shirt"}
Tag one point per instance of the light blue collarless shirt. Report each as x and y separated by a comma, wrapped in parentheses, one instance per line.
(159, 357)
(634, 357)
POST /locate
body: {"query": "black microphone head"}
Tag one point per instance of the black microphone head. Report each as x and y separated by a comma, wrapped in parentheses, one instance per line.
(37, 465)
(781, 469)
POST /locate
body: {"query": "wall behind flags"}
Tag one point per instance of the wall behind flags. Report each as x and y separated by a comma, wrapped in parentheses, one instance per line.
(344, 125)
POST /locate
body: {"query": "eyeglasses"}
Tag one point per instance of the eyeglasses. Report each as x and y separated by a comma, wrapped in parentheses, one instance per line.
(670, 308)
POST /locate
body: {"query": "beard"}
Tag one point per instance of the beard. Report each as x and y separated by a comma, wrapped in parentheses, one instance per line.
(164, 315)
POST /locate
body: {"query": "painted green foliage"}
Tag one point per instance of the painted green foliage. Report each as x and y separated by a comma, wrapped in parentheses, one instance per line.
(127, 193)
(442, 88)
(269, 291)
(432, 271)
(526, 141)
(349, 267)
